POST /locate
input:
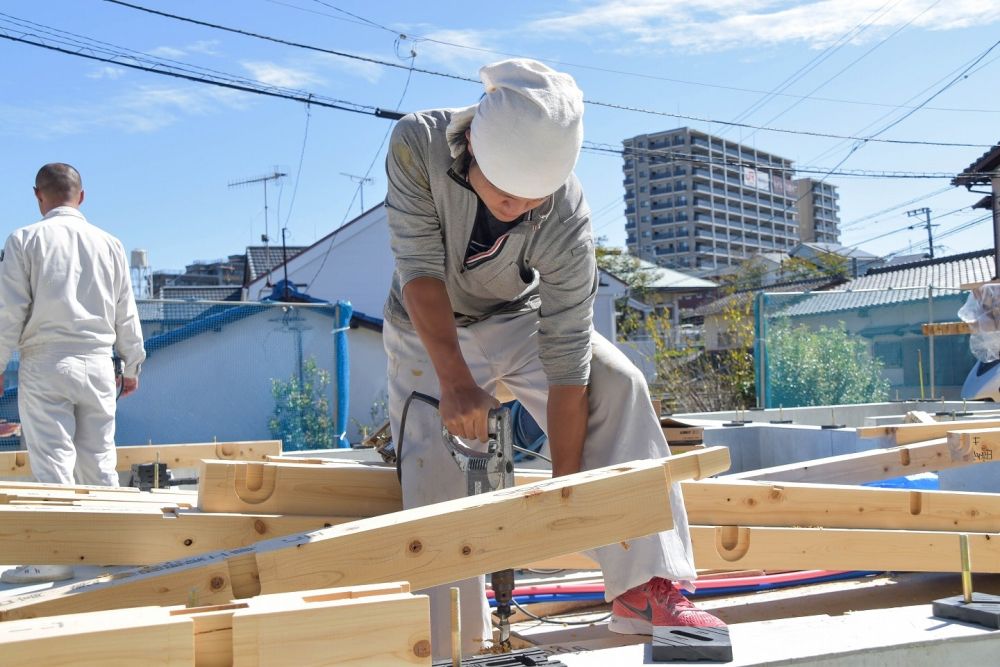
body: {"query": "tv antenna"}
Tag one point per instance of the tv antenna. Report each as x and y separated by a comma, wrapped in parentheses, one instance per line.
(360, 180)
(275, 176)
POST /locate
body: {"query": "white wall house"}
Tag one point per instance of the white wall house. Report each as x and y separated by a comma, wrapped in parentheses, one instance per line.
(353, 263)
(212, 377)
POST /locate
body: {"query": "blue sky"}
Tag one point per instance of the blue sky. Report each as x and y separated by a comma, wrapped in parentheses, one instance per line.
(158, 154)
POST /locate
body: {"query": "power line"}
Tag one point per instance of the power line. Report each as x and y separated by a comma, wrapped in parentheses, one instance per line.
(382, 113)
(814, 62)
(670, 155)
(857, 221)
(849, 65)
(362, 21)
(609, 105)
(189, 77)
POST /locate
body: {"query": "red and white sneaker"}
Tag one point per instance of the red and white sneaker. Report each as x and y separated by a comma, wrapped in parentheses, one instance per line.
(656, 603)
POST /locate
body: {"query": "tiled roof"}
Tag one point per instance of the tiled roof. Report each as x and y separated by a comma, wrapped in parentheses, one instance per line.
(899, 284)
(261, 259)
(201, 292)
(741, 299)
(988, 161)
(668, 279)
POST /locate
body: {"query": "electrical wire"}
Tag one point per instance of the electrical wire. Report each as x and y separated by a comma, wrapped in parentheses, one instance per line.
(362, 21)
(298, 172)
(554, 621)
(817, 60)
(385, 137)
(609, 105)
(848, 66)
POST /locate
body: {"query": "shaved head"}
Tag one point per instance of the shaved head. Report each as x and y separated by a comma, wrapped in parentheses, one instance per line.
(59, 182)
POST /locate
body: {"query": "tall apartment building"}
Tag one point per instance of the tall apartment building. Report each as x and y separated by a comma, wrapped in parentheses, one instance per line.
(819, 212)
(697, 201)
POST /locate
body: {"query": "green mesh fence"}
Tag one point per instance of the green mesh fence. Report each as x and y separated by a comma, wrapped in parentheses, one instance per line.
(844, 347)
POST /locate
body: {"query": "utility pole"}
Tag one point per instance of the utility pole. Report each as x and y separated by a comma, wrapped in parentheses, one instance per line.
(926, 212)
(360, 180)
(275, 176)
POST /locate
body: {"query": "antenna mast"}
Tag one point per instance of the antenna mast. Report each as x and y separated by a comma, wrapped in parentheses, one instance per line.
(360, 180)
(275, 176)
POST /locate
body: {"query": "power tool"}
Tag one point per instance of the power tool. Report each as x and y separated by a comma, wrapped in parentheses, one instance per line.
(485, 471)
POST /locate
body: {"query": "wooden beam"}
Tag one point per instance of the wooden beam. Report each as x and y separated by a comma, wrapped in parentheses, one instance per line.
(175, 456)
(146, 636)
(738, 547)
(725, 503)
(871, 465)
(426, 546)
(906, 434)
(377, 630)
(360, 490)
(298, 488)
(95, 496)
(371, 625)
(983, 445)
(135, 536)
(946, 328)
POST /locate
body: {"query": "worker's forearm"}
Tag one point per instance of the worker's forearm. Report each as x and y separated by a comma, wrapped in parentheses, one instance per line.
(568, 413)
(429, 308)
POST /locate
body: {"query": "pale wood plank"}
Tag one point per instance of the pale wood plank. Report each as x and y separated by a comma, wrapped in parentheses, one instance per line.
(738, 547)
(120, 638)
(426, 546)
(175, 456)
(135, 536)
(872, 465)
(361, 490)
(905, 434)
(725, 503)
(297, 488)
(379, 630)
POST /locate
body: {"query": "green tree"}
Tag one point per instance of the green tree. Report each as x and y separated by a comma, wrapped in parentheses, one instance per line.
(301, 418)
(824, 367)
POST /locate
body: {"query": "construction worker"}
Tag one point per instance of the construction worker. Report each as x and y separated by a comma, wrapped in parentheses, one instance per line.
(66, 304)
(494, 282)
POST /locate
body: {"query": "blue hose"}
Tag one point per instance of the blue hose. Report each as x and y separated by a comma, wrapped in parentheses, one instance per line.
(342, 315)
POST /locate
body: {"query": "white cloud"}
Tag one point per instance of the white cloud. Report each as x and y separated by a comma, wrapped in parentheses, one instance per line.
(204, 47)
(272, 74)
(370, 72)
(107, 72)
(717, 25)
(142, 109)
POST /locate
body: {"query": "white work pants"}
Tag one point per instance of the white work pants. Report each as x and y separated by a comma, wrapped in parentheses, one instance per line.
(67, 407)
(622, 427)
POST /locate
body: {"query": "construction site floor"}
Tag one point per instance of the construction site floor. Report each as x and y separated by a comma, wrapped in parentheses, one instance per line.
(882, 620)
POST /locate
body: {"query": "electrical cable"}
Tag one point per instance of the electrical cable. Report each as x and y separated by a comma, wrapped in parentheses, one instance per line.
(385, 137)
(609, 105)
(298, 172)
(549, 619)
(813, 63)
(846, 67)
(362, 21)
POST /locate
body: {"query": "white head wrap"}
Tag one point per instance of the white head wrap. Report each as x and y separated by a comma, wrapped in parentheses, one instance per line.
(527, 129)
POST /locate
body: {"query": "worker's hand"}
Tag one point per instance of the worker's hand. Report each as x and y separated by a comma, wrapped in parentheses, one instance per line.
(465, 411)
(127, 385)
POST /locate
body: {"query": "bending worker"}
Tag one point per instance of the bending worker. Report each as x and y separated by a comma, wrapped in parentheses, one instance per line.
(66, 303)
(494, 282)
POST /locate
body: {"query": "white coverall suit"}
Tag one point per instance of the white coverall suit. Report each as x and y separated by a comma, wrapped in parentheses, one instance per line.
(66, 302)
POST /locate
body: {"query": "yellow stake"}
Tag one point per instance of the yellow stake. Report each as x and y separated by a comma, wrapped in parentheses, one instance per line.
(963, 545)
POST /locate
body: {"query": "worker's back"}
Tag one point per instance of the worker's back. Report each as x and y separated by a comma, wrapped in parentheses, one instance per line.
(77, 280)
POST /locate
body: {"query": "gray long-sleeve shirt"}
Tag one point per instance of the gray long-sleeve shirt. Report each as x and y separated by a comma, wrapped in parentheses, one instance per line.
(547, 263)
(65, 284)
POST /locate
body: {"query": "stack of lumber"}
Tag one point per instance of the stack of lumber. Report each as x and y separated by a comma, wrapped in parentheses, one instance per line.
(280, 528)
(382, 624)
(814, 514)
